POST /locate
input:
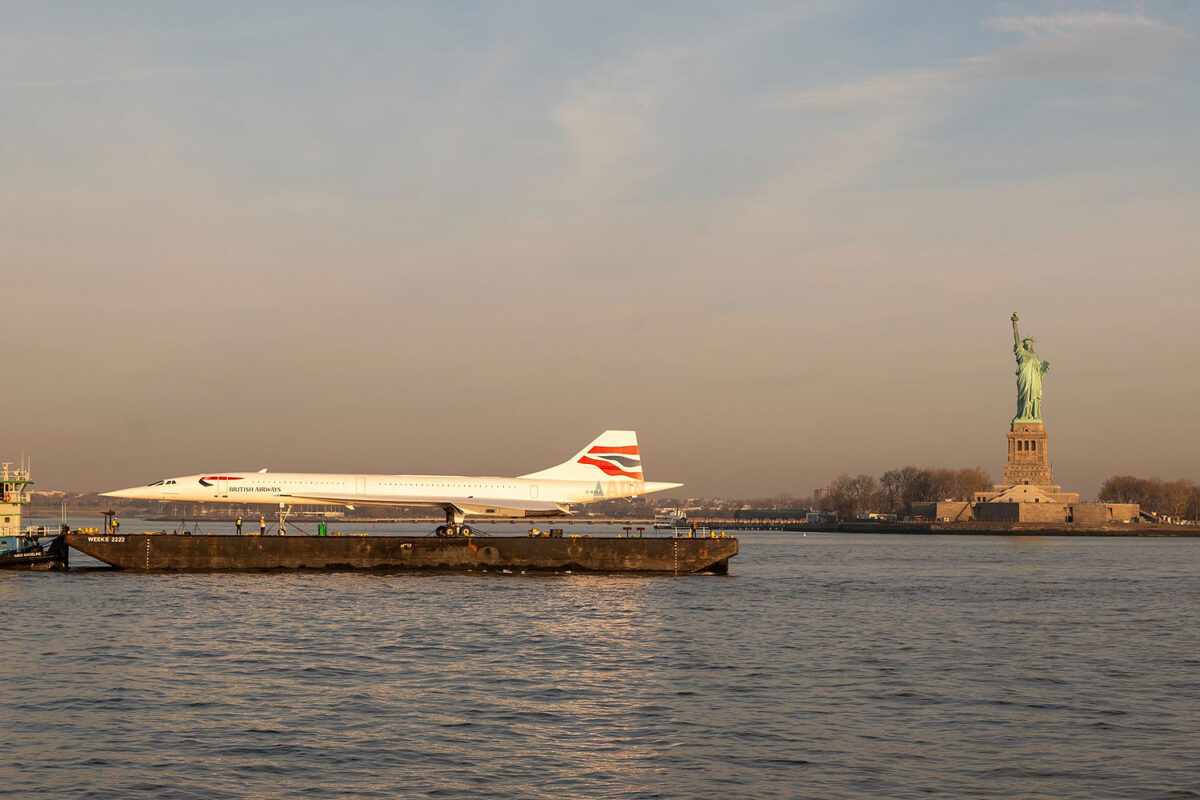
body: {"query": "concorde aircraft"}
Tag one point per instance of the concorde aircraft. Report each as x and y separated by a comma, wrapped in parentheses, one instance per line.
(610, 467)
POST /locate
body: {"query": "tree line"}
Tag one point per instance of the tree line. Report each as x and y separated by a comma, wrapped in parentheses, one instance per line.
(1178, 499)
(897, 490)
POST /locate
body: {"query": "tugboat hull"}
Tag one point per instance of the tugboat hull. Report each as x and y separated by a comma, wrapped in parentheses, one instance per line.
(175, 553)
(35, 556)
(31, 560)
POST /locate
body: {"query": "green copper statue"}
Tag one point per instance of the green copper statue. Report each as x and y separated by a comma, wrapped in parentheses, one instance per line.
(1030, 369)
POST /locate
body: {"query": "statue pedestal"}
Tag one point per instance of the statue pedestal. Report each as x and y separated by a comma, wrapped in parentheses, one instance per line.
(1028, 455)
(1027, 475)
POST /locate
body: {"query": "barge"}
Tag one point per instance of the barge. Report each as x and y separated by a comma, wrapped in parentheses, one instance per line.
(162, 552)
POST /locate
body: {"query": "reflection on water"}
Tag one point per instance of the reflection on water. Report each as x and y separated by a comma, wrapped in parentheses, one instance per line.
(824, 666)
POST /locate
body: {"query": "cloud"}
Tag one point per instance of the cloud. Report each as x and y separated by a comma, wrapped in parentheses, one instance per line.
(1067, 25)
(848, 130)
(1099, 45)
(609, 119)
(851, 129)
(896, 89)
(617, 120)
(1084, 45)
(126, 76)
(880, 111)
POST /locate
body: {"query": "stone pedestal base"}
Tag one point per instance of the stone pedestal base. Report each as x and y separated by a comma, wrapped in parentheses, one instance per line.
(1027, 475)
(1027, 493)
(1028, 455)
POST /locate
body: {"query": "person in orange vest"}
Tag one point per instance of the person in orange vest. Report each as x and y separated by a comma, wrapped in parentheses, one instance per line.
(238, 524)
(262, 525)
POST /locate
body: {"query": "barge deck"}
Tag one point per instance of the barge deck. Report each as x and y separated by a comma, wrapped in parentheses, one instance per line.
(225, 553)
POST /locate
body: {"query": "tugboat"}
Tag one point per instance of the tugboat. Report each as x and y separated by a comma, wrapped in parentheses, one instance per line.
(23, 548)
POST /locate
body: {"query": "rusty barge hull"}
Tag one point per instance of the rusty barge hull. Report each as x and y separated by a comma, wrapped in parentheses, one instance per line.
(177, 553)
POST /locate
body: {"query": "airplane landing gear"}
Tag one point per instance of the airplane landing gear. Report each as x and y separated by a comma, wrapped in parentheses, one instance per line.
(454, 525)
(454, 530)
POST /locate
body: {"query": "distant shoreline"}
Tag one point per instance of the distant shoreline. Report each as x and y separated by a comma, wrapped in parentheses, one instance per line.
(1133, 530)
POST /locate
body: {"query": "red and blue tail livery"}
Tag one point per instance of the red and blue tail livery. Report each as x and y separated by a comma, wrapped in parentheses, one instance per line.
(611, 456)
(622, 461)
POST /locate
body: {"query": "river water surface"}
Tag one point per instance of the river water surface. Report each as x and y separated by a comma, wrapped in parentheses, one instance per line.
(826, 666)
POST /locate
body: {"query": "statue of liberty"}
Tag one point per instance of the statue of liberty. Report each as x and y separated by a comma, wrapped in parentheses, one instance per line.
(1030, 369)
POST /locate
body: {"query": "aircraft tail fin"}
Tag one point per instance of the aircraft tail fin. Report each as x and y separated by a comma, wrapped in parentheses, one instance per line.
(613, 455)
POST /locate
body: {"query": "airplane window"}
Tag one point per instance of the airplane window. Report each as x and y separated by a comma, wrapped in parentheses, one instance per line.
(156, 483)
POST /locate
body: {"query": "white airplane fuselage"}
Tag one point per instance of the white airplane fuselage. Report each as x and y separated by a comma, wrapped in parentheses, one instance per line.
(297, 488)
(608, 468)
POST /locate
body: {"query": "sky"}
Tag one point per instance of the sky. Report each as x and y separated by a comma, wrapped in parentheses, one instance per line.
(781, 240)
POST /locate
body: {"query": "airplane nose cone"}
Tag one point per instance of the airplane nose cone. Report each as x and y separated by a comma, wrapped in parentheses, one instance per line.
(119, 493)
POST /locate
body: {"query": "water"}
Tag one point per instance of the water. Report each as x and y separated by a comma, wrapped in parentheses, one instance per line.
(825, 666)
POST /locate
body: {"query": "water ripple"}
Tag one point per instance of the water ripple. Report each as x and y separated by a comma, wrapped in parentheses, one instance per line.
(825, 666)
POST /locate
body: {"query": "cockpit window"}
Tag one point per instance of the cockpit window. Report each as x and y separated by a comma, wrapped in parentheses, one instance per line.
(156, 483)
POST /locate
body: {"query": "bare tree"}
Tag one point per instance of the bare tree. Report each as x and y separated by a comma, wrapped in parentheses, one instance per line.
(1173, 498)
(897, 489)
(839, 497)
(970, 481)
(864, 490)
(915, 486)
(1124, 489)
(891, 491)
(1176, 497)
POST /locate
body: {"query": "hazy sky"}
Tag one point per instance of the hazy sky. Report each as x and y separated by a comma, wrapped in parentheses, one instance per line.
(781, 240)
